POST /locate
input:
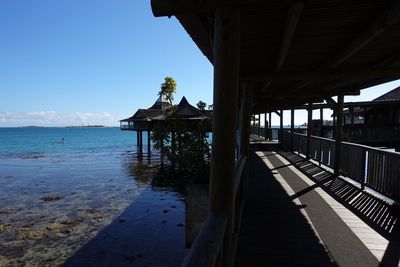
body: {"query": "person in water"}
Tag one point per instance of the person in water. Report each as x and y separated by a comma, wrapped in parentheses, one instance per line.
(62, 140)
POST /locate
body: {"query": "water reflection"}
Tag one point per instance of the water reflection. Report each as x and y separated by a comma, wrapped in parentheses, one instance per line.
(150, 172)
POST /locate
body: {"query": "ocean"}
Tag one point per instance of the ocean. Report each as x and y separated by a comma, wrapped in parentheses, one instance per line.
(84, 197)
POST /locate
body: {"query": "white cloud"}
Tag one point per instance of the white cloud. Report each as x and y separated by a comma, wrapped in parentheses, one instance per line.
(52, 118)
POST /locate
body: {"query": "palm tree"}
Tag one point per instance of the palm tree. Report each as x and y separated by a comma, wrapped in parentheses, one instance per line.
(168, 89)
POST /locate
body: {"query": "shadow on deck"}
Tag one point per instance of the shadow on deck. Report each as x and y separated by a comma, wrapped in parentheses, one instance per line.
(299, 228)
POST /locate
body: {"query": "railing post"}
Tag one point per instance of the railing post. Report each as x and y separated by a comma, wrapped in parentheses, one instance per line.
(291, 128)
(270, 127)
(309, 127)
(363, 159)
(265, 126)
(321, 116)
(148, 144)
(338, 137)
(226, 83)
(280, 127)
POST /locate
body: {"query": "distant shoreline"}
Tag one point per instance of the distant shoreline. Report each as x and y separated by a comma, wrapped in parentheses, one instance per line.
(87, 126)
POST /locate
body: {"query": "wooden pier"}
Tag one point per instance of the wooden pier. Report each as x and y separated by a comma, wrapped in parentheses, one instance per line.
(270, 56)
(296, 215)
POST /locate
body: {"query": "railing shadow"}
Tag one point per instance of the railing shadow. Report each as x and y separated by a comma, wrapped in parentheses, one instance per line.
(381, 216)
(274, 231)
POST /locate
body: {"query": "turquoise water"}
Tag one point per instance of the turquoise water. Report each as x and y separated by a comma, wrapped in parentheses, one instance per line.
(16, 141)
(90, 201)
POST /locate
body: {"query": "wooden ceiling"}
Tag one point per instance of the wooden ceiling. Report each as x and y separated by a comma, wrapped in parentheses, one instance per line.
(295, 52)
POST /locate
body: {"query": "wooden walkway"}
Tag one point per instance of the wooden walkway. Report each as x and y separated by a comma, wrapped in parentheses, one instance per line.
(296, 215)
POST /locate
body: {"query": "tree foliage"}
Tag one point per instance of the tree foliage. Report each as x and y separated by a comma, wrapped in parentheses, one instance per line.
(201, 105)
(188, 149)
(168, 89)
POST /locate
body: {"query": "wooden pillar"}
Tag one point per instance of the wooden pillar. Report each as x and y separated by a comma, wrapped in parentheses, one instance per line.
(280, 127)
(338, 135)
(321, 117)
(148, 144)
(173, 148)
(140, 143)
(270, 127)
(334, 124)
(291, 128)
(309, 127)
(137, 138)
(226, 83)
(351, 116)
(245, 114)
(266, 126)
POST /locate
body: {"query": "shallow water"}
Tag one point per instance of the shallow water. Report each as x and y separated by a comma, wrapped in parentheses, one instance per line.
(87, 202)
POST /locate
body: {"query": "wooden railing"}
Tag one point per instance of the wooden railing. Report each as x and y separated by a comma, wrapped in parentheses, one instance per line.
(271, 134)
(371, 167)
(208, 248)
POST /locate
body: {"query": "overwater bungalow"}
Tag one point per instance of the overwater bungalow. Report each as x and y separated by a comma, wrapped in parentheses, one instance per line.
(275, 205)
(153, 117)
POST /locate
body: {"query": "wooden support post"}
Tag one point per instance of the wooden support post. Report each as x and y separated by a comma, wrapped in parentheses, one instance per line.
(291, 128)
(338, 136)
(173, 148)
(270, 126)
(280, 127)
(148, 144)
(309, 127)
(265, 126)
(140, 143)
(245, 114)
(137, 138)
(351, 116)
(321, 117)
(226, 83)
(334, 124)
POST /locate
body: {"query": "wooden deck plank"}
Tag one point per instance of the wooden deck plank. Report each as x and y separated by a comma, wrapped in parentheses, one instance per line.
(333, 229)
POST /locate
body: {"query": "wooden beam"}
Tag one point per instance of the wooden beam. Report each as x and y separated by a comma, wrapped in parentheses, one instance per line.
(193, 23)
(305, 94)
(393, 73)
(170, 8)
(292, 19)
(331, 103)
(389, 17)
(277, 113)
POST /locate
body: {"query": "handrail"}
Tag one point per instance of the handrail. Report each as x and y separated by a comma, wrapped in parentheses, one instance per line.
(316, 137)
(241, 163)
(371, 167)
(208, 243)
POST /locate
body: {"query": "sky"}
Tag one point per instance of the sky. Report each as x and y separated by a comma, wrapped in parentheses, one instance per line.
(79, 62)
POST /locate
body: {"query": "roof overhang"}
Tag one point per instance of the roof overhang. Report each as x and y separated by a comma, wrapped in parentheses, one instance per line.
(295, 52)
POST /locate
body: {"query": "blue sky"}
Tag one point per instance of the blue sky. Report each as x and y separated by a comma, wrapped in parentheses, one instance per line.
(72, 62)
